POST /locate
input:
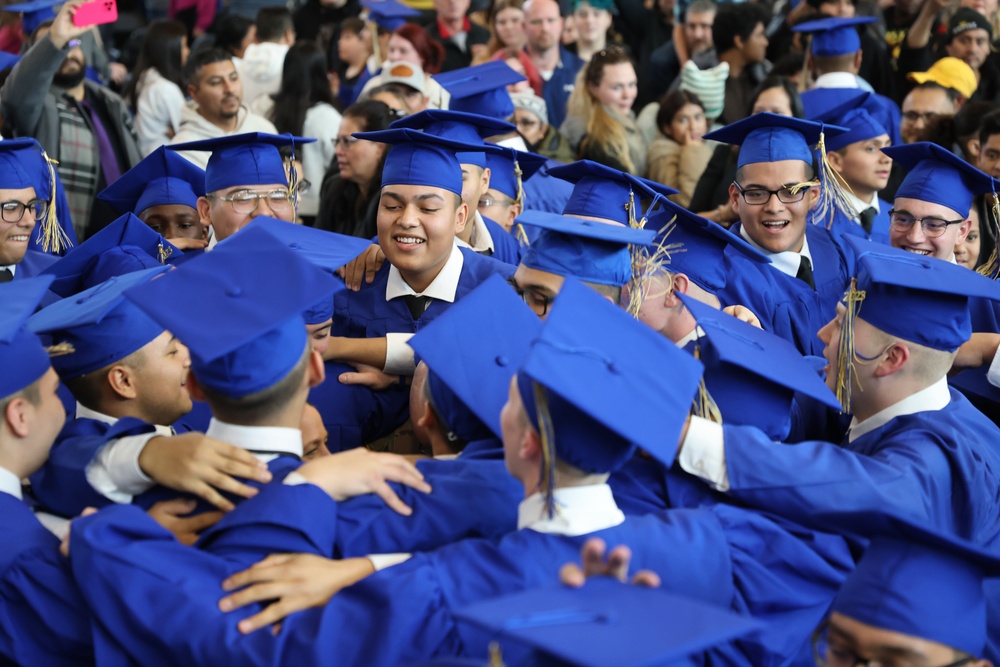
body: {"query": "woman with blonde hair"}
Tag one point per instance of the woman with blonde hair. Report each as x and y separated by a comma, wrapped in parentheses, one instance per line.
(600, 124)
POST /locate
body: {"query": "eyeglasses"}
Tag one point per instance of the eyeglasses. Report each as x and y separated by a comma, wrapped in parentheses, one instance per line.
(488, 201)
(301, 187)
(538, 302)
(914, 116)
(832, 653)
(931, 226)
(12, 211)
(346, 141)
(246, 202)
(786, 195)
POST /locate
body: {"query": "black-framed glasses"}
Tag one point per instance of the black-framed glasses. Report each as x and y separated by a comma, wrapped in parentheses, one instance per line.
(914, 116)
(302, 186)
(538, 302)
(932, 226)
(12, 211)
(833, 653)
(246, 202)
(786, 195)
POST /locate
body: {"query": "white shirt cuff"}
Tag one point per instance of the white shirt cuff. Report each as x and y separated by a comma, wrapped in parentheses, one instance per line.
(993, 374)
(703, 453)
(115, 473)
(382, 561)
(398, 354)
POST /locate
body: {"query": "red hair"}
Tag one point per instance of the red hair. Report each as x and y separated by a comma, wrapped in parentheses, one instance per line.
(430, 50)
(530, 71)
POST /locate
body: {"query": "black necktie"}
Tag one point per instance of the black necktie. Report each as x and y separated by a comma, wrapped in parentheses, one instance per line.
(805, 272)
(6, 275)
(416, 304)
(867, 217)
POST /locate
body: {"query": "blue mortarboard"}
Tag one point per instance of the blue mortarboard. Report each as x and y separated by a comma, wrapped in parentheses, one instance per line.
(98, 326)
(695, 246)
(242, 324)
(22, 165)
(920, 299)
(855, 109)
(916, 581)
(834, 36)
(252, 158)
(162, 177)
(388, 14)
(603, 380)
(327, 250)
(603, 192)
(469, 383)
(22, 356)
(126, 245)
(591, 251)
(752, 375)
(768, 137)
(34, 14)
(468, 128)
(420, 158)
(481, 89)
(861, 126)
(937, 175)
(503, 175)
(607, 623)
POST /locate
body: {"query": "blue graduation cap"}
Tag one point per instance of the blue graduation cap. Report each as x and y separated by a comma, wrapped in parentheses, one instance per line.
(510, 167)
(238, 309)
(916, 581)
(481, 89)
(126, 245)
(252, 158)
(162, 177)
(606, 623)
(603, 192)
(421, 158)
(591, 251)
(861, 126)
(388, 14)
(695, 246)
(97, 327)
(468, 128)
(939, 176)
(593, 384)
(24, 164)
(857, 110)
(768, 137)
(834, 36)
(22, 356)
(469, 383)
(750, 374)
(35, 13)
(327, 250)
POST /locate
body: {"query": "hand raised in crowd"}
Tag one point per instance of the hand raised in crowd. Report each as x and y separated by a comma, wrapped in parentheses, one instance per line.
(594, 565)
(63, 28)
(360, 471)
(187, 529)
(294, 581)
(363, 267)
(196, 464)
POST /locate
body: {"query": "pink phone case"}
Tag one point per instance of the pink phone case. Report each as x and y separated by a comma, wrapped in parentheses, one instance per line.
(96, 13)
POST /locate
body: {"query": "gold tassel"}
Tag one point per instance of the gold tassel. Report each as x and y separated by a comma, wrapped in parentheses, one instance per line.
(804, 81)
(547, 483)
(496, 656)
(647, 262)
(704, 405)
(846, 357)
(991, 268)
(54, 238)
(521, 235)
(162, 253)
(293, 180)
(60, 349)
(833, 190)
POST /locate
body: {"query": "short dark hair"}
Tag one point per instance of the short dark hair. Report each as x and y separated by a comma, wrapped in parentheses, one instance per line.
(230, 31)
(263, 404)
(810, 172)
(988, 126)
(87, 389)
(776, 81)
(353, 25)
(272, 23)
(952, 94)
(736, 20)
(613, 292)
(201, 58)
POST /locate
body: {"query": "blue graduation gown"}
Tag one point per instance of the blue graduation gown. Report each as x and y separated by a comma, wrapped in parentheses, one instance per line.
(843, 226)
(505, 246)
(942, 467)
(34, 263)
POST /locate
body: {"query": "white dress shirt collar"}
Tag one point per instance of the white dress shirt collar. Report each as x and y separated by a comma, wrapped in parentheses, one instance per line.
(442, 288)
(267, 440)
(11, 267)
(693, 335)
(836, 80)
(481, 235)
(787, 262)
(10, 483)
(934, 397)
(83, 412)
(579, 510)
(857, 205)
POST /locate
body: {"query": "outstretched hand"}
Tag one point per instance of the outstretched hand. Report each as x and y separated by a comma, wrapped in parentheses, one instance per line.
(594, 565)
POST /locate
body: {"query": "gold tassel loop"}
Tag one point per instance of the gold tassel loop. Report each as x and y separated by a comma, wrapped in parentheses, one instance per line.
(846, 357)
(60, 349)
(647, 262)
(704, 405)
(54, 238)
(991, 267)
(547, 483)
(833, 193)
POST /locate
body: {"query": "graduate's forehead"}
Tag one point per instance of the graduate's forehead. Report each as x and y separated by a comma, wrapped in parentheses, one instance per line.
(779, 172)
(416, 193)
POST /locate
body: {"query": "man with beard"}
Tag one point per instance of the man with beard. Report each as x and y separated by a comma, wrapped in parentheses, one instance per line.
(82, 125)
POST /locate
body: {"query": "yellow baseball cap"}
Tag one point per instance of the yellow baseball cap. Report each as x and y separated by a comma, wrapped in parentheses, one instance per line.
(950, 73)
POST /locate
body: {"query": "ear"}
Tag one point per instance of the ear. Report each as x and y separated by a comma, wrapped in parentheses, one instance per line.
(426, 420)
(857, 60)
(204, 208)
(836, 159)
(192, 89)
(973, 147)
(813, 197)
(316, 371)
(515, 210)
(461, 217)
(738, 42)
(896, 357)
(734, 197)
(531, 445)
(122, 381)
(678, 285)
(16, 416)
(484, 182)
(194, 389)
